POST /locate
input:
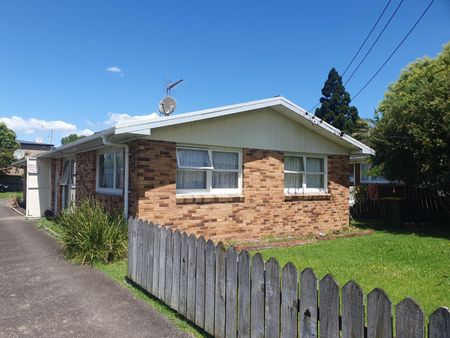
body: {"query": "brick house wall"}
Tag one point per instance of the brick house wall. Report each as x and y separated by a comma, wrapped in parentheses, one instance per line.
(85, 182)
(56, 168)
(262, 211)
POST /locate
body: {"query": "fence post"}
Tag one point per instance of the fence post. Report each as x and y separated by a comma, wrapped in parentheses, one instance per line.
(231, 293)
(162, 263)
(289, 301)
(130, 247)
(150, 240)
(156, 252)
(272, 299)
(352, 311)
(308, 304)
(244, 295)
(257, 296)
(183, 275)
(379, 315)
(145, 245)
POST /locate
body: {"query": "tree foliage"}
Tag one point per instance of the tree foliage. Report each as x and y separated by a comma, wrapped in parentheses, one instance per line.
(8, 144)
(335, 106)
(71, 138)
(412, 137)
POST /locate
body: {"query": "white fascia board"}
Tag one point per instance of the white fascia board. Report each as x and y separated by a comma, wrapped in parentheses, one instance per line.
(144, 126)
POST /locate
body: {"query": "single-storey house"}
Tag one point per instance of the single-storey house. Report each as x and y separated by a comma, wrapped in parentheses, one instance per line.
(243, 171)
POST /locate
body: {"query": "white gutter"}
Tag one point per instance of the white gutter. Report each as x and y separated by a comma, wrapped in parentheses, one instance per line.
(127, 174)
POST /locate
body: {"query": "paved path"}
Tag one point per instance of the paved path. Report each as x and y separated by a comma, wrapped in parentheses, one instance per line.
(42, 295)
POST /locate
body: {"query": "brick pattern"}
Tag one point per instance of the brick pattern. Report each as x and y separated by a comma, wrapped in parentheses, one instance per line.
(85, 182)
(262, 212)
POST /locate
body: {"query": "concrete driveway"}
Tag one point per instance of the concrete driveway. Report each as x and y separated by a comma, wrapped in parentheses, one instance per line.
(43, 295)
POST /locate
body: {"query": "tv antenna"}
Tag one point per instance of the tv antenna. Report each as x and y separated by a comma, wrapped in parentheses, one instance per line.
(168, 104)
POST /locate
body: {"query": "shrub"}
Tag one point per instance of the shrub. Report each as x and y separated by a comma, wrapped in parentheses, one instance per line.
(92, 234)
(14, 200)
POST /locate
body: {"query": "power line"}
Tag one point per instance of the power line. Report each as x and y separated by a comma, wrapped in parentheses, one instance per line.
(395, 50)
(367, 37)
(374, 43)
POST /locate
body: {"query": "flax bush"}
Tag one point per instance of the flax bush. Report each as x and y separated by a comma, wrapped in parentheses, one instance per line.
(91, 234)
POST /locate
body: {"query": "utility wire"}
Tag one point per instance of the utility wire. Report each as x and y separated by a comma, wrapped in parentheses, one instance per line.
(374, 43)
(367, 37)
(395, 50)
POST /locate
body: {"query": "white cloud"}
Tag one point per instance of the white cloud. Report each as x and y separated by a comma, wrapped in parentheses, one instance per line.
(29, 126)
(84, 132)
(114, 118)
(39, 140)
(114, 69)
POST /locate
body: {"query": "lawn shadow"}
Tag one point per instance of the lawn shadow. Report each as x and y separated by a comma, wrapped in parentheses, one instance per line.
(168, 308)
(436, 230)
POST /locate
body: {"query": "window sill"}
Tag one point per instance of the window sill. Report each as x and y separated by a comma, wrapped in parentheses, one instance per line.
(203, 199)
(112, 192)
(308, 197)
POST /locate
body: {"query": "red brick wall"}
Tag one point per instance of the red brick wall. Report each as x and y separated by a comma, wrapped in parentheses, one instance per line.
(262, 211)
(85, 182)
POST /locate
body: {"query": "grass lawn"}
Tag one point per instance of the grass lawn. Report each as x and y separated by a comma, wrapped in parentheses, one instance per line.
(403, 263)
(7, 195)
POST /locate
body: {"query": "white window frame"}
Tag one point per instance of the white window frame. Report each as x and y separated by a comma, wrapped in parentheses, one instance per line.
(304, 189)
(370, 179)
(209, 170)
(108, 191)
(352, 176)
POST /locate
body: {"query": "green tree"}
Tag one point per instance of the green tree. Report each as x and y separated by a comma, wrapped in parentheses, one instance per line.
(71, 138)
(412, 137)
(8, 144)
(335, 105)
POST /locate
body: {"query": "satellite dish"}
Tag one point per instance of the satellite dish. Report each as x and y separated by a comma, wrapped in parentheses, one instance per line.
(19, 154)
(167, 105)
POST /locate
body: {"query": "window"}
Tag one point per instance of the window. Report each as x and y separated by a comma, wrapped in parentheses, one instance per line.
(213, 171)
(304, 174)
(351, 176)
(366, 178)
(110, 171)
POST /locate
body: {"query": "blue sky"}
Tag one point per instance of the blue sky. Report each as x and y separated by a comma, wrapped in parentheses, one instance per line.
(55, 55)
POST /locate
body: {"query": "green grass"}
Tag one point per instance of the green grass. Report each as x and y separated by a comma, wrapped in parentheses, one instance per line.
(118, 270)
(8, 195)
(53, 227)
(403, 263)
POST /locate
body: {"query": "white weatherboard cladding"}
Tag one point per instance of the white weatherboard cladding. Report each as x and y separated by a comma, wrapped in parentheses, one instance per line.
(38, 187)
(259, 129)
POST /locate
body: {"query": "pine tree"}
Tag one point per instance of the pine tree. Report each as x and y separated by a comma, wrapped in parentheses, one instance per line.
(335, 106)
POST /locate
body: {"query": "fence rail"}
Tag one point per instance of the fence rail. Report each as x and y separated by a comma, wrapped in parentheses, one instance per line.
(230, 294)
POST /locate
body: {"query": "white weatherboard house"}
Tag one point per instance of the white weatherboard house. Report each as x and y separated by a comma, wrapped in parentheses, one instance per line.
(254, 169)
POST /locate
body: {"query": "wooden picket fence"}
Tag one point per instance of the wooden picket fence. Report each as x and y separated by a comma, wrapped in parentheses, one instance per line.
(231, 294)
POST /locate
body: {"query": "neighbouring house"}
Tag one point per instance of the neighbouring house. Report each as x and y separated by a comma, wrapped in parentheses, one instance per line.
(242, 172)
(13, 177)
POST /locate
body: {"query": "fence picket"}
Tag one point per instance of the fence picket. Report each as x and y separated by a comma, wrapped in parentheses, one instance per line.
(183, 273)
(272, 299)
(156, 252)
(439, 326)
(162, 263)
(308, 304)
(352, 311)
(244, 295)
(219, 313)
(145, 246)
(257, 297)
(169, 267)
(289, 301)
(139, 252)
(409, 320)
(231, 293)
(379, 318)
(200, 284)
(210, 286)
(150, 248)
(192, 259)
(329, 307)
(175, 298)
